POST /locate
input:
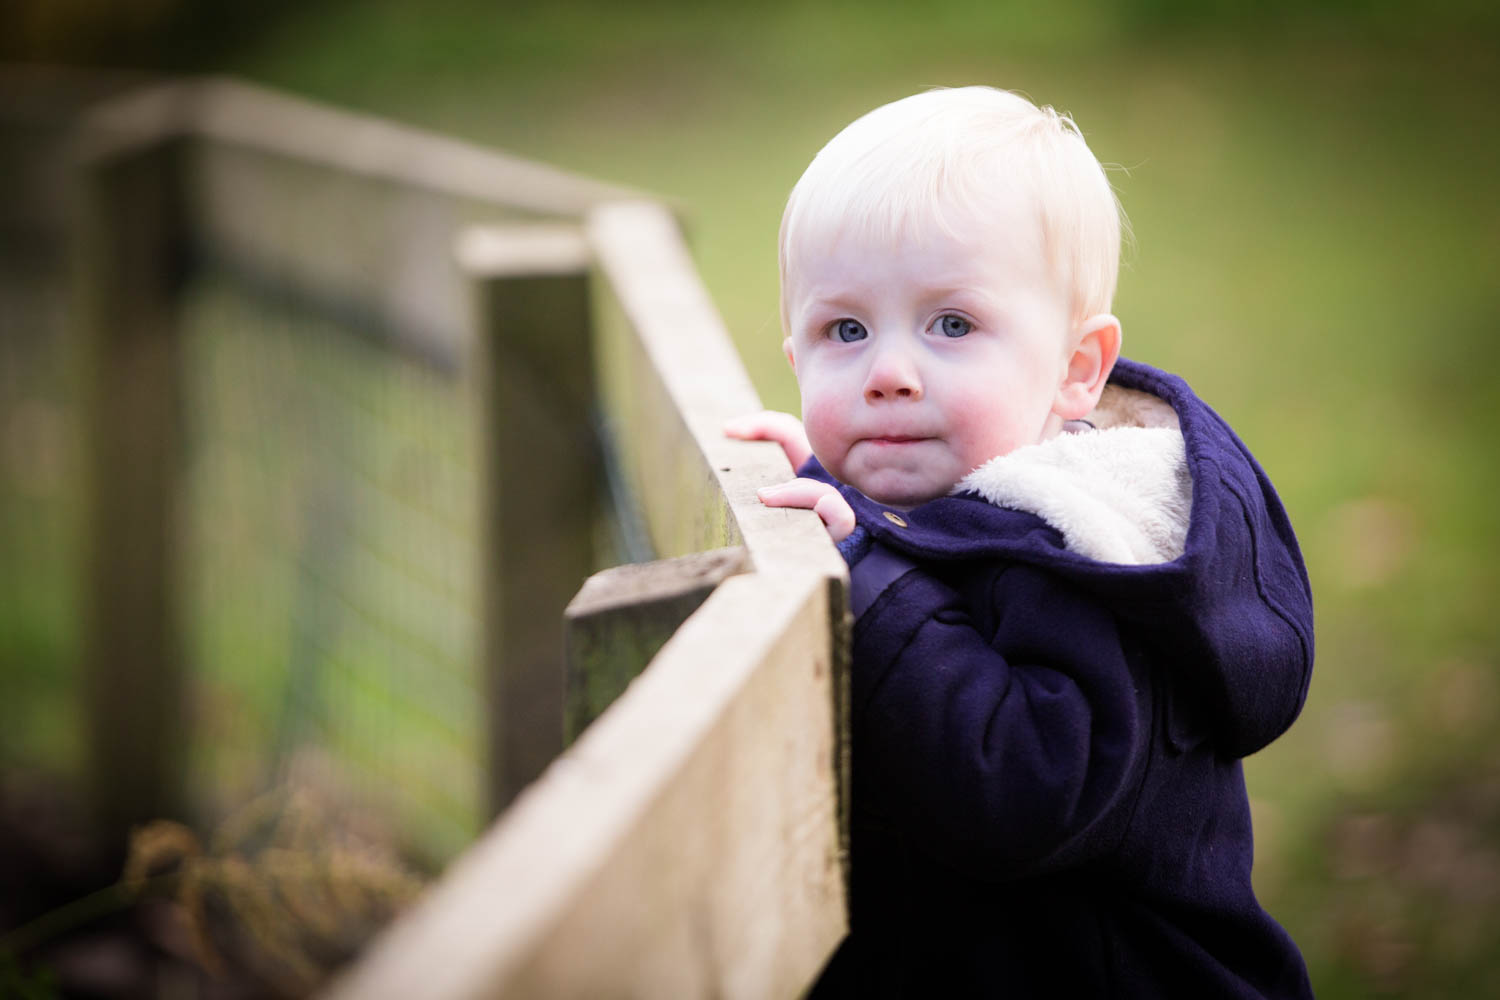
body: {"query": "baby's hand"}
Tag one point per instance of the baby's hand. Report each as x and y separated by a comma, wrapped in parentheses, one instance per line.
(819, 497)
(769, 425)
(786, 430)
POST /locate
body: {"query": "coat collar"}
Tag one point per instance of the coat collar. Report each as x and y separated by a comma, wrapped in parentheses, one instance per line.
(1121, 494)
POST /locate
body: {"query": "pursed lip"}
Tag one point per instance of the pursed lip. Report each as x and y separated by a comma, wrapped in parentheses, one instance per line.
(895, 439)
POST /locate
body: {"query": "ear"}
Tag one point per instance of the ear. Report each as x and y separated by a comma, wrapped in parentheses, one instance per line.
(1096, 348)
(786, 348)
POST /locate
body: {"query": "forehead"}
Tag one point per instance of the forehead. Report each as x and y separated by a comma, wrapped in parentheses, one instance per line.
(958, 247)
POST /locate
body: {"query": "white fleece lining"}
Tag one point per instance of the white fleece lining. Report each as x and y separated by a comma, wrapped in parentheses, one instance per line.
(1120, 495)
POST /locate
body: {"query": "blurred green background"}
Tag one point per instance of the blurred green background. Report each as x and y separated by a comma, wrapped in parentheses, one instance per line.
(1311, 188)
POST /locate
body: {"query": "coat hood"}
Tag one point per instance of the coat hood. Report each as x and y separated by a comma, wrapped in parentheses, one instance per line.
(1182, 535)
(1116, 494)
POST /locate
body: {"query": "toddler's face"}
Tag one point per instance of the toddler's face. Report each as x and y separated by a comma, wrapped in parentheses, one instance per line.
(919, 362)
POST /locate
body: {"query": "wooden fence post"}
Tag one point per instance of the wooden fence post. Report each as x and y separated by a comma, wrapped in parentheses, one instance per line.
(622, 616)
(540, 479)
(133, 260)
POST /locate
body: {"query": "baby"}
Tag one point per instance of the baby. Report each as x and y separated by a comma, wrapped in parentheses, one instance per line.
(1078, 599)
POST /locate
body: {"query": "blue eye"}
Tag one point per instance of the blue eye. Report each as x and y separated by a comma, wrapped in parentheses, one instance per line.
(954, 326)
(849, 330)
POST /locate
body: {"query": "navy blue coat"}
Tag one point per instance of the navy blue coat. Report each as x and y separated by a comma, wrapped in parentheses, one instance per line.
(1048, 794)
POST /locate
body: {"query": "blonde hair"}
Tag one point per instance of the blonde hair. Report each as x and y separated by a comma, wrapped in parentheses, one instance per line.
(941, 158)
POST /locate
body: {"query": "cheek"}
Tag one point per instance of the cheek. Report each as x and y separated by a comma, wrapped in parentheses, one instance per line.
(990, 421)
(823, 417)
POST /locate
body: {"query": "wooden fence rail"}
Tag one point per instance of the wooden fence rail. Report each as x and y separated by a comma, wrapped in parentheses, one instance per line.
(689, 841)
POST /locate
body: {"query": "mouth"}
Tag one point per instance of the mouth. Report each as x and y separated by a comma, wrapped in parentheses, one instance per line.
(895, 439)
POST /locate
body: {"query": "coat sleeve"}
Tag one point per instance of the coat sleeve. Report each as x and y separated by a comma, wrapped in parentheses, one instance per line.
(1002, 755)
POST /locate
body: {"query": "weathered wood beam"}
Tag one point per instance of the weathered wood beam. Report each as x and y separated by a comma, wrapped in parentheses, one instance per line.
(345, 212)
(684, 846)
(539, 471)
(230, 111)
(670, 378)
(131, 261)
(668, 364)
(622, 616)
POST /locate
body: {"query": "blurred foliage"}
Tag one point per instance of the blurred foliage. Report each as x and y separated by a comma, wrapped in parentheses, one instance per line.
(286, 892)
(140, 34)
(1311, 191)
(288, 888)
(199, 35)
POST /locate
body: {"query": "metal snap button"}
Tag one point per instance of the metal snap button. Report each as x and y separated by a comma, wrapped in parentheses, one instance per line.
(894, 518)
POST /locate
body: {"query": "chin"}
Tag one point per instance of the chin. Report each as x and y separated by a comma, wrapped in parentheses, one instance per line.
(897, 487)
(905, 498)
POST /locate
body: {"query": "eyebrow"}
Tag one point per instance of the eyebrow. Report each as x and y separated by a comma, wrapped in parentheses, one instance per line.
(836, 302)
(963, 292)
(966, 297)
(971, 298)
(840, 298)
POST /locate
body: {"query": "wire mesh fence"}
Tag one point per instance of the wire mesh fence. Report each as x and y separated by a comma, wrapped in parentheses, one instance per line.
(325, 573)
(329, 570)
(39, 513)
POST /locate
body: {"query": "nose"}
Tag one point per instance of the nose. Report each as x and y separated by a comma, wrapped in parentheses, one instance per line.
(893, 375)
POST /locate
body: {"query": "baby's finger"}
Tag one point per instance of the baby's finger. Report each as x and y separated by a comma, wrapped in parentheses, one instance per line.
(754, 426)
(746, 428)
(817, 496)
(837, 515)
(797, 493)
(771, 425)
